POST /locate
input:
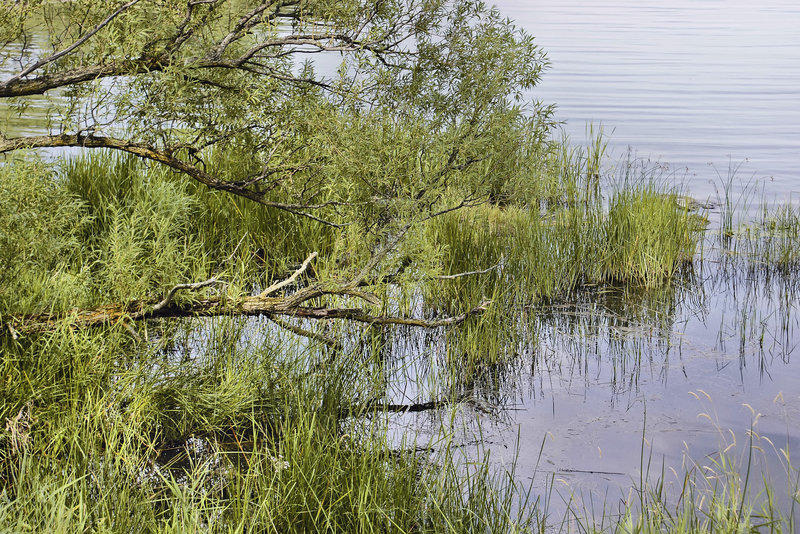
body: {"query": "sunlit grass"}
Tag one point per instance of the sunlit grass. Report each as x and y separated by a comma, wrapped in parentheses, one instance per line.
(238, 426)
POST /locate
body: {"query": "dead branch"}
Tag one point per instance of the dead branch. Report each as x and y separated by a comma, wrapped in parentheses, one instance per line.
(197, 285)
(470, 273)
(222, 305)
(279, 285)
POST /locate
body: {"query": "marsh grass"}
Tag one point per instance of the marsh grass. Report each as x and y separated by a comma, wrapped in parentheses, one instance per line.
(640, 236)
(234, 439)
(238, 425)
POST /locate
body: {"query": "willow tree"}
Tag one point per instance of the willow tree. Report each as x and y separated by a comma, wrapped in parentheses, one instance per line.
(365, 117)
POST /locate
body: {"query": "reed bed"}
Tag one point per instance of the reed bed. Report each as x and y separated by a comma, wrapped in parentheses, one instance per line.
(235, 425)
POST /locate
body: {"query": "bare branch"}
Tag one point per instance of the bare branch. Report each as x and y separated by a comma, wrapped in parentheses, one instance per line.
(226, 305)
(470, 273)
(73, 46)
(278, 285)
(197, 285)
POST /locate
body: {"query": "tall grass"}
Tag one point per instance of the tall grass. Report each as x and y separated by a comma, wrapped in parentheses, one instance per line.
(232, 440)
(238, 426)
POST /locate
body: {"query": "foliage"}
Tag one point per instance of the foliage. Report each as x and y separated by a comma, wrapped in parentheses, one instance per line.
(40, 224)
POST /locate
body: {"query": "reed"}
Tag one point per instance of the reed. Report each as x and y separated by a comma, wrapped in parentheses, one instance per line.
(238, 425)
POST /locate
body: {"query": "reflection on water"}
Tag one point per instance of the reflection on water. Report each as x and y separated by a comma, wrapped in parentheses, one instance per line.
(31, 115)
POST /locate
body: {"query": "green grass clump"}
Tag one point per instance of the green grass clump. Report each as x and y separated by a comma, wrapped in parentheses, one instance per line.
(40, 247)
(642, 239)
(648, 237)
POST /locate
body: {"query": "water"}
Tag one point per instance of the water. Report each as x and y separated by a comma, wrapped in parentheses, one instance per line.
(701, 88)
(697, 85)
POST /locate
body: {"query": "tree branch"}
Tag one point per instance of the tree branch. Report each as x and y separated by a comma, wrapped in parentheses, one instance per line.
(166, 157)
(278, 285)
(224, 305)
(73, 46)
(197, 285)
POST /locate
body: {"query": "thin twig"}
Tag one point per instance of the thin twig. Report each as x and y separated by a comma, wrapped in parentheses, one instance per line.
(459, 275)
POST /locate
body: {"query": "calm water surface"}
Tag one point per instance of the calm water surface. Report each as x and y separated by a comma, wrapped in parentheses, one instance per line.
(690, 83)
(699, 87)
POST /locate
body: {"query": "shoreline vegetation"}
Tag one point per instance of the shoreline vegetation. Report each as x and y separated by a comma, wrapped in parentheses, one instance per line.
(207, 310)
(226, 424)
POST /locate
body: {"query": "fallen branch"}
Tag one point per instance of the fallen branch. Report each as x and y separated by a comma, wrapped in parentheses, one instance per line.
(223, 305)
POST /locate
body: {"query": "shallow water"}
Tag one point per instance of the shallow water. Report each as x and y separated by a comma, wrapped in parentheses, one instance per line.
(700, 87)
(692, 371)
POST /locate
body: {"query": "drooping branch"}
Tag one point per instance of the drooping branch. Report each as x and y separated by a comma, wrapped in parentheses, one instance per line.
(53, 57)
(167, 158)
(164, 52)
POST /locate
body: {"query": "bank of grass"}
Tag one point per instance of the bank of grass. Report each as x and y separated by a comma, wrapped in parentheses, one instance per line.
(236, 426)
